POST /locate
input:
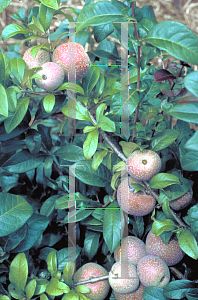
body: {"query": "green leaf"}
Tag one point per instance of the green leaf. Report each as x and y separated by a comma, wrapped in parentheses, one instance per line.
(106, 124)
(35, 25)
(56, 288)
(45, 16)
(76, 110)
(5, 69)
(191, 83)
(89, 128)
(98, 158)
(177, 289)
(69, 269)
(52, 262)
(30, 288)
(13, 121)
(98, 13)
(19, 272)
(188, 243)
(189, 161)
(12, 98)
(133, 75)
(163, 180)
(50, 3)
(192, 143)
(84, 172)
(4, 4)
(14, 212)
(18, 68)
(187, 112)
(48, 103)
(70, 153)
(72, 295)
(193, 220)
(159, 227)
(22, 161)
(100, 111)
(164, 139)
(91, 79)
(90, 144)
(112, 226)
(71, 87)
(91, 244)
(13, 29)
(3, 101)
(82, 289)
(177, 39)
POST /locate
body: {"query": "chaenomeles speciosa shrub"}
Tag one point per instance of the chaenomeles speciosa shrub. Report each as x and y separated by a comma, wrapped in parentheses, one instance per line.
(99, 158)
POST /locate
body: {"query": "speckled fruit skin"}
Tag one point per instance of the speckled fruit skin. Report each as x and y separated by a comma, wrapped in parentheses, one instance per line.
(118, 280)
(136, 204)
(137, 295)
(41, 58)
(153, 271)
(171, 252)
(72, 55)
(182, 202)
(133, 249)
(143, 165)
(98, 290)
(52, 76)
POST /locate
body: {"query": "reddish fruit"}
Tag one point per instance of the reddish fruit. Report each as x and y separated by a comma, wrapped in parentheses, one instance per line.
(136, 204)
(52, 76)
(137, 295)
(133, 249)
(171, 253)
(41, 58)
(182, 201)
(143, 165)
(98, 290)
(123, 277)
(72, 58)
(153, 271)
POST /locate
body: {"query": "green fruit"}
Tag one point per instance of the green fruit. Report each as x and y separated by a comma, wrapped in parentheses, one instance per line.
(52, 76)
(98, 290)
(143, 165)
(136, 204)
(137, 295)
(133, 249)
(153, 271)
(41, 58)
(73, 59)
(182, 201)
(123, 277)
(171, 253)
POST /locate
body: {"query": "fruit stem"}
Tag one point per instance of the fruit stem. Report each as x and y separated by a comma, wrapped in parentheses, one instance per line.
(95, 279)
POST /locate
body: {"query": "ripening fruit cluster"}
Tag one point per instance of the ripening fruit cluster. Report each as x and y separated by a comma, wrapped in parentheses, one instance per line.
(69, 60)
(142, 166)
(138, 265)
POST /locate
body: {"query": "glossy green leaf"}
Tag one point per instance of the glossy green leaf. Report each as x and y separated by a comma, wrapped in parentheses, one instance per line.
(50, 3)
(70, 153)
(48, 103)
(71, 87)
(22, 161)
(164, 139)
(5, 69)
(30, 288)
(69, 269)
(189, 161)
(99, 13)
(52, 262)
(112, 226)
(19, 272)
(4, 4)
(3, 101)
(193, 220)
(56, 288)
(188, 243)
(100, 111)
(163, 180)
(177, 289)
(45, 16)
(91, 244)
(84, 172)
(35, 25)
(187, 112)
(18, 115)
(18, 68)
(159, 227)
(192, 143)
(13, 29)
(191, 83)
(98, 158)
(12, 98)
(14, 212)
(177, 39)
(133, 75)
(90, 80)
(90, 144)
(76, 110)
(106, 124)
